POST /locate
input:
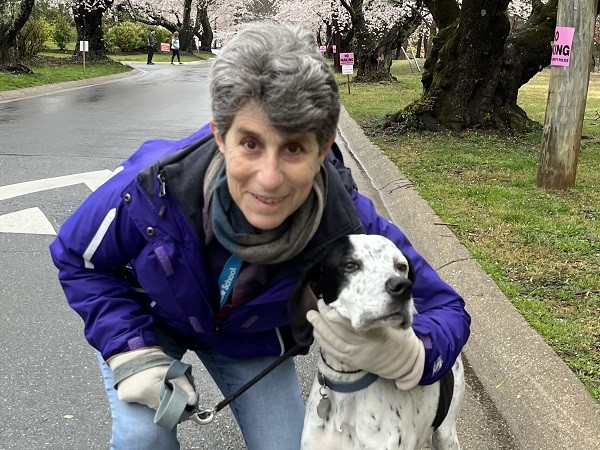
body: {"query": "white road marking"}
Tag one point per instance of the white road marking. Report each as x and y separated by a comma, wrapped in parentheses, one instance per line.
(33, 220)
(90, 179)
(26, 221)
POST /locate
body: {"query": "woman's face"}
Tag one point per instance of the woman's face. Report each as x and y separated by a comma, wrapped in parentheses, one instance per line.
(269, 174)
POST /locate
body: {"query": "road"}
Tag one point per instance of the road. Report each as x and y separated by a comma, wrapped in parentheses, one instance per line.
(54, 149)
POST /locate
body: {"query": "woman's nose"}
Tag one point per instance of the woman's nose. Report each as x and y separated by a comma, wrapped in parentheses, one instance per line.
(270, 175)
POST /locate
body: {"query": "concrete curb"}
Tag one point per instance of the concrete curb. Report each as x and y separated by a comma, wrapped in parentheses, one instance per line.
(541, 400)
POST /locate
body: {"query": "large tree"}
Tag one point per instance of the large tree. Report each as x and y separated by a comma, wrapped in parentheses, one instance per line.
(477, 64)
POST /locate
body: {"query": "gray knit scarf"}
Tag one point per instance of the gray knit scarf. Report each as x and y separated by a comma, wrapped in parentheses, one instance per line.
(233, 231)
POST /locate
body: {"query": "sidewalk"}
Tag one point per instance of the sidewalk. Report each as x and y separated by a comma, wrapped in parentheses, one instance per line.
(544, 405)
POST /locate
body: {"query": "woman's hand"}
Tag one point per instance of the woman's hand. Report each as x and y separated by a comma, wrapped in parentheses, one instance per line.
(391, 353)
(144, 386)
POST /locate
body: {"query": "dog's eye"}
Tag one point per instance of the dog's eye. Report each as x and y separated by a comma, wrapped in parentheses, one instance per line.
(350, 266)
(401, 267)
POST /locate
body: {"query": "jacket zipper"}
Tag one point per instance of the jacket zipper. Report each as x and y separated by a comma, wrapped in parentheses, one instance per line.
(163, 184)
(162, 192)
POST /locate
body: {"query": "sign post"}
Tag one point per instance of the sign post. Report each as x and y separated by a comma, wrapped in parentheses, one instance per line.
(84, 46)
(347, 63)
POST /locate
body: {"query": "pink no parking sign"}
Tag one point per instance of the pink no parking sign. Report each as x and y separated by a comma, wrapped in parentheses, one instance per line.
(562, 46)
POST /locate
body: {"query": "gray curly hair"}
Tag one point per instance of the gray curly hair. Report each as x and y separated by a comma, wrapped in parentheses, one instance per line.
(279, 67)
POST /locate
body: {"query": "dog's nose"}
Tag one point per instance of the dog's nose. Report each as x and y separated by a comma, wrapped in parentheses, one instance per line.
(398, 286)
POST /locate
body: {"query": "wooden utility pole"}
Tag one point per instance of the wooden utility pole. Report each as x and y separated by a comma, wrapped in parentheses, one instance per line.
(567, 94)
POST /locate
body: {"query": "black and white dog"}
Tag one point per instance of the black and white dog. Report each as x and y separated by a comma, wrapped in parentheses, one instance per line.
(369, 281)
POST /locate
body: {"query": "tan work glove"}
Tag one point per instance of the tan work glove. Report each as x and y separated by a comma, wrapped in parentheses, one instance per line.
(395, 354)
(144, 387)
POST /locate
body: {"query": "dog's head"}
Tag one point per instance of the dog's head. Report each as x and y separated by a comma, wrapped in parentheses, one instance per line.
(366, 278)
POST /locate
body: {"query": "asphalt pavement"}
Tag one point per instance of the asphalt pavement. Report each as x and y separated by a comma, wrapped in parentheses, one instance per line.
(520, 394)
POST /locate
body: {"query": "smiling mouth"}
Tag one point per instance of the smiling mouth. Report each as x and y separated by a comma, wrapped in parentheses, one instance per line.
(268, 200)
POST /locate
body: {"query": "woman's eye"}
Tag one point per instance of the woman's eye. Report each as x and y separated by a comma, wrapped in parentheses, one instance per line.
(250, 144)
(294, 148)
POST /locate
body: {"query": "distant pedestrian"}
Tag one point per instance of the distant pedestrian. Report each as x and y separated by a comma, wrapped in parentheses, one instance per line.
(175, 47)
(150, 45)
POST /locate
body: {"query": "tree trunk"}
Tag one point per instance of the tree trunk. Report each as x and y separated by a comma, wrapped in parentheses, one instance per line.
(477, 65)
(375, 63)
(337, 41)
(9, 31)
(206, 37)
(185, 33)
(89, 28)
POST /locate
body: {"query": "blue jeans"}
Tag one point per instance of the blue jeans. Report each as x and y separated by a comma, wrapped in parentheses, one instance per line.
(270, 414)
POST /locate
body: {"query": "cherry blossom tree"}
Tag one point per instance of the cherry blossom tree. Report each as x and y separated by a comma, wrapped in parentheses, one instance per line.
(372, 29)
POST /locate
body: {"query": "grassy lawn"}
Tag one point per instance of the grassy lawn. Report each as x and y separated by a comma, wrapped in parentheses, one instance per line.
(542, 248)
(55, 66)
(57, 73)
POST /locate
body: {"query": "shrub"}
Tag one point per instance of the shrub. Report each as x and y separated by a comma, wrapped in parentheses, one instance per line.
(63, 32)
(32, 37)
(127, 37)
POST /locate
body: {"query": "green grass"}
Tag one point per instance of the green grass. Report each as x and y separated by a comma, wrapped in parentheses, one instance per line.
(58, 73)
(542, 248)
(55, 66)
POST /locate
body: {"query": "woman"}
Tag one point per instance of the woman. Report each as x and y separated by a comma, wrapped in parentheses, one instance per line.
(175, 47)
(196, 245)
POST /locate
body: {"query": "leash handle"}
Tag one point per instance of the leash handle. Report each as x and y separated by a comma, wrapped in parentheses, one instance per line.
(173, 398)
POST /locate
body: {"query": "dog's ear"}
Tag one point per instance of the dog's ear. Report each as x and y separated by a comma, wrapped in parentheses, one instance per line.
(303, 299)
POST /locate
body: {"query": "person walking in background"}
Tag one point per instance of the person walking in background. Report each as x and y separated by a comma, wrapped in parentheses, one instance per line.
(150, 45)
(175, 47)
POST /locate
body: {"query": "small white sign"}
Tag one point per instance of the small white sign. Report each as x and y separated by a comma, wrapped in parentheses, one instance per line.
(347, 70)
(84, 46)
(322, 48)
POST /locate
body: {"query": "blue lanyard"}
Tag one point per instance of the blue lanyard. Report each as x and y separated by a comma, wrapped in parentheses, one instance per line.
(228, 276)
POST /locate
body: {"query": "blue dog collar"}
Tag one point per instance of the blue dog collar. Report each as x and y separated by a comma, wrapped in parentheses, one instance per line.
(345, 387)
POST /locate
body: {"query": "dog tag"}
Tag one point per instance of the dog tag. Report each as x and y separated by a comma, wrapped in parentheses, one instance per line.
(324, 407)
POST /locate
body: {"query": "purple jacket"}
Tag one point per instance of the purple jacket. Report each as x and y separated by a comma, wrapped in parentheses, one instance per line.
(132, 256)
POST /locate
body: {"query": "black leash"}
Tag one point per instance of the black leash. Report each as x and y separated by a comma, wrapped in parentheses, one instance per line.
(206, 416)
